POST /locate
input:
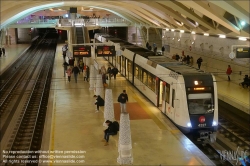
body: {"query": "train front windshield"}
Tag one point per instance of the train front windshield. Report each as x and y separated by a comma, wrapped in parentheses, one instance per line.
(200, 103)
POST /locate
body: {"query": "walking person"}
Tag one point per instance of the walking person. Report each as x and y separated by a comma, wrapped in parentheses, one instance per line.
(99, 102)
(229, 71)
(114, 72)
(123, 99)
(87, 73)
(76, 71)
(65, 67)
(69, 71)
(109, 71)
(199, 62)
(3, 50)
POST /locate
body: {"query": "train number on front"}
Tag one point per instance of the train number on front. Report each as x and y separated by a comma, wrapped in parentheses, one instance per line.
(202, 125)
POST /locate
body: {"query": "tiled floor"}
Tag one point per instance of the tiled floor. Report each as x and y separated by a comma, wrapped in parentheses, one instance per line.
(74, 125)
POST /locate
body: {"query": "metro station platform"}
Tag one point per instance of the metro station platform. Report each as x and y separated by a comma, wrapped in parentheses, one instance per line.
(72, 123)
(12, 53)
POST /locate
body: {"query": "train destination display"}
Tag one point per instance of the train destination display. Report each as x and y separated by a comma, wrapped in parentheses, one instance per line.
(105, 50)
(82, 51)
(242, 52)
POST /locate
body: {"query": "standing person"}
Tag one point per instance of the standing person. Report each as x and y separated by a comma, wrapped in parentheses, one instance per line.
(76, 71)
(65, 67)
(122, 99)
(155, 50)
(87, 73)
(114, 72)
(199, 62)
(163, 50)
(229, 71)
(69, 71)
(111, 130)
(64, 51)
(3, 50)
(99, 102)
(188, 59)
(81, 65)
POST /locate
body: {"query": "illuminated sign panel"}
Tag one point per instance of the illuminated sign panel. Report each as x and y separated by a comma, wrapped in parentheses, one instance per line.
(105, 51)
(242, 52)
(82, 51)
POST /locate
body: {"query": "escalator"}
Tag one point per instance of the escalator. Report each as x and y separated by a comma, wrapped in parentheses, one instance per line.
(79, 35)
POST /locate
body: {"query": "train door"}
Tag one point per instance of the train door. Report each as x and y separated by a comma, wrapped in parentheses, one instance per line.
(123, 66)
(172, 108)
(165, 95)
(161, 95)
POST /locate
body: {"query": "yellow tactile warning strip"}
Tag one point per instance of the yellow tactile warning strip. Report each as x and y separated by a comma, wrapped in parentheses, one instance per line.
(152, 116)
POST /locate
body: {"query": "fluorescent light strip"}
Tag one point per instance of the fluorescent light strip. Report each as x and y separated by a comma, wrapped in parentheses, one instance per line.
(243, 38)
(206, 34)
(172, 30)
(193, 32)
(182, 31)
(222, 36)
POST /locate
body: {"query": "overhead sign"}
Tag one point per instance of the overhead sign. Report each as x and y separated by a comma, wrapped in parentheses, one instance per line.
(242, 52)
(105, 51)
(81, 51)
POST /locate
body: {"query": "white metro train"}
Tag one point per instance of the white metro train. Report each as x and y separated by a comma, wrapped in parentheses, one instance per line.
(188, 96)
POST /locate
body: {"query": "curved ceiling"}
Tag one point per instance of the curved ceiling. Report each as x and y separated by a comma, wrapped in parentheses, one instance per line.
(207, 16)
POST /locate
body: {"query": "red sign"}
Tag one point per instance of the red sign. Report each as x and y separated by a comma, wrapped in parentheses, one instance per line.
(202, 119)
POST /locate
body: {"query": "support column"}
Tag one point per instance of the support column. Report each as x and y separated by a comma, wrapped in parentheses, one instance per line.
(99, 86)
(147, 33)
(125, 143)
(87, 61)
(108, 107)
(136, 35)
(92, 77)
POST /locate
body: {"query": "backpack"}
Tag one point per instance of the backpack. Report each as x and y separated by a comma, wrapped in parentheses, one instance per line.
(117, 126)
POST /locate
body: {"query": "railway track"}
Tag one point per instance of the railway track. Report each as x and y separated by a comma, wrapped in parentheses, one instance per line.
(232, 143)
(23, 105)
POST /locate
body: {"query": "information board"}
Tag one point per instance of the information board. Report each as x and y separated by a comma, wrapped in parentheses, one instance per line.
(242, 52)
(105, 51)
(81, 51)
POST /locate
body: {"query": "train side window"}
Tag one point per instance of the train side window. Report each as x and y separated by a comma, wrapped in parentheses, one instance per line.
(144, 77)
(173, 97)
(129, 66)
(151, 81)
(167, 92)
(136, 72)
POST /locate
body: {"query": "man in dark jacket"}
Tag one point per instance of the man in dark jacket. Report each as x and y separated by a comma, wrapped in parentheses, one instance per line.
(109, 131)
(99, 102)
(199, 62)
(114, 72)
(122, 99)
(76, 71)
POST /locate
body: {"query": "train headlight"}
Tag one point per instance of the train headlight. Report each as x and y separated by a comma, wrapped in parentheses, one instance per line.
(189, 124)
(214, 123)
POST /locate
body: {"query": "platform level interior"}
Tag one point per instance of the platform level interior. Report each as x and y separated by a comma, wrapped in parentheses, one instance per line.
(73, 124)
